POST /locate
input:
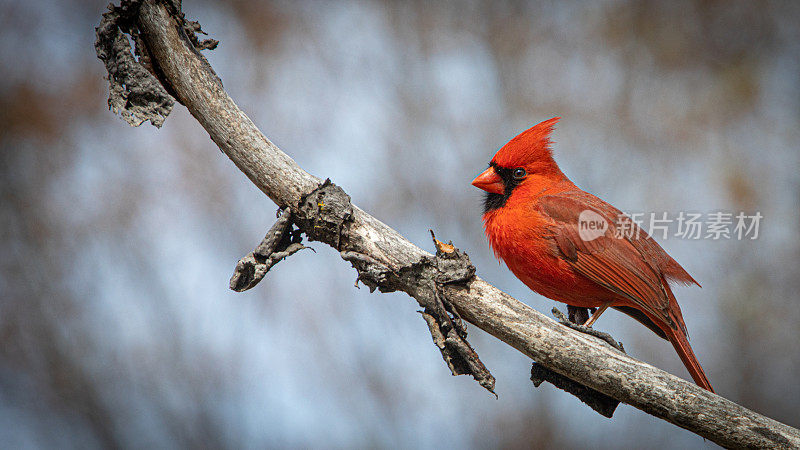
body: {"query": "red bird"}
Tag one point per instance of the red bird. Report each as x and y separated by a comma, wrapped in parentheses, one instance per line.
(570, 246)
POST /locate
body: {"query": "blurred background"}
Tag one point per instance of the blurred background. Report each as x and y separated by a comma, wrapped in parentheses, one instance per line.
(117, 243)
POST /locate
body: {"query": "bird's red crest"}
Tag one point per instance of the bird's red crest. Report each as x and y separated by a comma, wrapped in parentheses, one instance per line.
(530, 146)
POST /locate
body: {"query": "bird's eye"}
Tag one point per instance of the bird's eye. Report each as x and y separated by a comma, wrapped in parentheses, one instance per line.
(519, 173)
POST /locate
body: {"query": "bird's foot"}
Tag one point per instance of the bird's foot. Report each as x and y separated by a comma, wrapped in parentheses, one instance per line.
(578, 315)
(568, 322)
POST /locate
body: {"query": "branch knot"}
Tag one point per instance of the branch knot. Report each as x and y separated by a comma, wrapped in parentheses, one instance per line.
(324, 213)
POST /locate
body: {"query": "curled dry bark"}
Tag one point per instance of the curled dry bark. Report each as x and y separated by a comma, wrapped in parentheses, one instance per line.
(381, 254)
(133, 91)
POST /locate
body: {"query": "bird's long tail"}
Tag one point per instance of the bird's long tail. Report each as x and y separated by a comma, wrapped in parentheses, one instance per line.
(681, 344)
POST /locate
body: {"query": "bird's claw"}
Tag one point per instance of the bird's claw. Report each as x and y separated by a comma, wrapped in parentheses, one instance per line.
(605, 337)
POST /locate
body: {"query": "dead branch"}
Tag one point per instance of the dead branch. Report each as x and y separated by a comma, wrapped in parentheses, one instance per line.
(386, 260)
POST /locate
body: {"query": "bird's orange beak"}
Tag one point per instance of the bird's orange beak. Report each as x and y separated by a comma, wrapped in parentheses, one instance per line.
(489, 181)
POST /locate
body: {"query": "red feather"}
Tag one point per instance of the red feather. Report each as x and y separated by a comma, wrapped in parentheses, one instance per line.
(534, 227)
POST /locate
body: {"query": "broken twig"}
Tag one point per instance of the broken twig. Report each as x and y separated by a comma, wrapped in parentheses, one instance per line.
(279, 243)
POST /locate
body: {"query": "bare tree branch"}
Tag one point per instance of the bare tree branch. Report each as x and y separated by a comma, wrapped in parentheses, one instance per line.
(388, 261)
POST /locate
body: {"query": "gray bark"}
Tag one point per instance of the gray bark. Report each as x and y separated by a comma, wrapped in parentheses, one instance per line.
(386, 260)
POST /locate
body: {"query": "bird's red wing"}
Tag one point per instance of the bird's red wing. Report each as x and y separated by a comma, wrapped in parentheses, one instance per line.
(612, 262)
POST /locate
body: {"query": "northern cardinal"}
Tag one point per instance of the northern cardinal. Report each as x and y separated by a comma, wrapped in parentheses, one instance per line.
(570, 246)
